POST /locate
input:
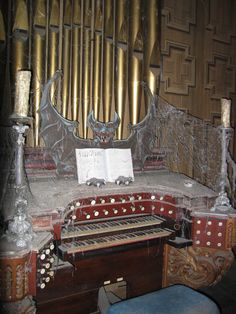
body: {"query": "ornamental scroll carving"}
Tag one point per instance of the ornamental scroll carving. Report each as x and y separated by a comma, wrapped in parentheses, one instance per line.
(6, 283)
(196, 267)
(13, 278)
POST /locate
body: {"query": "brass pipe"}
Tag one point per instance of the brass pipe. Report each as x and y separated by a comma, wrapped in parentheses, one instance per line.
(97, 71)
(38, 61)
(121, 63)
(53, 42)
(98, 16)
(81, 79)
(75, 73)
(107, 61)
(151, 46)
(107, 80)
(76, 34)
(20, 37)
(97, 75)
(135, 64)
(135, 91)
(120, 87)
(86, 81)
(66, 58)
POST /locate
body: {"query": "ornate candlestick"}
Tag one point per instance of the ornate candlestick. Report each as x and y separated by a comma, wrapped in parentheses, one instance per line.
(222, 202)
(19, 229)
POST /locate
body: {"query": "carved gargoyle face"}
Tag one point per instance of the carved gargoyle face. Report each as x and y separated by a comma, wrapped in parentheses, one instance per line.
(103, 133)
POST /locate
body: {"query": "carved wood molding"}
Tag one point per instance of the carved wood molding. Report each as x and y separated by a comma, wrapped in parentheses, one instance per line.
(178, 19)
(220, 76)
(13, 278)
(196, 267)
(218, 21)
(179, 68)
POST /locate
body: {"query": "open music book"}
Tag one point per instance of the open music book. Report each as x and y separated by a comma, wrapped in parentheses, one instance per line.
(107, 164)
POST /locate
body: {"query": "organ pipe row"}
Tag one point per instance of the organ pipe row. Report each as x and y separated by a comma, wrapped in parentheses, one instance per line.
(105, 49)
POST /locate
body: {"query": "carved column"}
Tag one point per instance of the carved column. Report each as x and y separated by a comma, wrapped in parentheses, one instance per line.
(14, 288)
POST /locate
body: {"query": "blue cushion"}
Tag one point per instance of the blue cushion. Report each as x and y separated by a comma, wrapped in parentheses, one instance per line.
(177, 299)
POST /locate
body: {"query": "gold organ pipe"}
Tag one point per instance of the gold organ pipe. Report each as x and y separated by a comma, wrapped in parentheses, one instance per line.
(75, 59)
(81, 79)
(151, 46)
(66, 58)
(96, 74)
(38, 60)
(107, 61)
(98, 16)
(53, 42)
(107, 80)
(92, 67)
(97, 79)
(120, 87)
(87, 13)
(121, 57)
(20, 37)
(86, 81)
(92, 61)
(135, 64)
(86, 65)
(75, 73)
(135, 72)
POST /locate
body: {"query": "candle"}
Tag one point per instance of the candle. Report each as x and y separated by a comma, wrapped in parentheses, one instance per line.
(225, 112)
(22, 93)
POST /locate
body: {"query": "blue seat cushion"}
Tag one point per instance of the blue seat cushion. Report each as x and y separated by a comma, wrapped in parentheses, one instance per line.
(177, 299)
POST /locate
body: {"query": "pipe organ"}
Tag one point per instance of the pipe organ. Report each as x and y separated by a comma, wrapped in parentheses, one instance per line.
(157, 231)
(87, 237)
(88, 41)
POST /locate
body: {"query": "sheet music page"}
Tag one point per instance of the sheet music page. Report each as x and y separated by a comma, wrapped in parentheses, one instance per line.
(118, 163)
(91, 163)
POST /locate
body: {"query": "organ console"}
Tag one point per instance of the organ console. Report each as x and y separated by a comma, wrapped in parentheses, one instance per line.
(88, 237)
(155, 232)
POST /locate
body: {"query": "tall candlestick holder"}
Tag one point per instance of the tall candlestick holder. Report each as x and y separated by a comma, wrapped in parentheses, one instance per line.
(222, 202)
(20, 228)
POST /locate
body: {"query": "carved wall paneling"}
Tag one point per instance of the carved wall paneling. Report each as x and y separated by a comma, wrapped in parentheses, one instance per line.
(207, 28)
(177, 57)
(176, 17)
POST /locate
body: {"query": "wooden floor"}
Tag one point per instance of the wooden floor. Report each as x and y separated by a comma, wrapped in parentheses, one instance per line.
(224, 293)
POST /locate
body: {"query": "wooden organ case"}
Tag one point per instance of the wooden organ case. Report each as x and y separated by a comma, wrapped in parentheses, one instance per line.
(153, 233)
(104, 239)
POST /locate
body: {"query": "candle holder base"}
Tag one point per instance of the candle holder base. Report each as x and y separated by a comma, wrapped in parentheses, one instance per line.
(20, 231)
(222, 203)
(20, 228)
(16, 118)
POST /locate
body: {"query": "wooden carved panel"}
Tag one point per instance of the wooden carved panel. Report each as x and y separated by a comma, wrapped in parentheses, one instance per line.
(179, 68)
(221, 20)
(178, 18)
(196, 266)
(13, 278)
(220, 77)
